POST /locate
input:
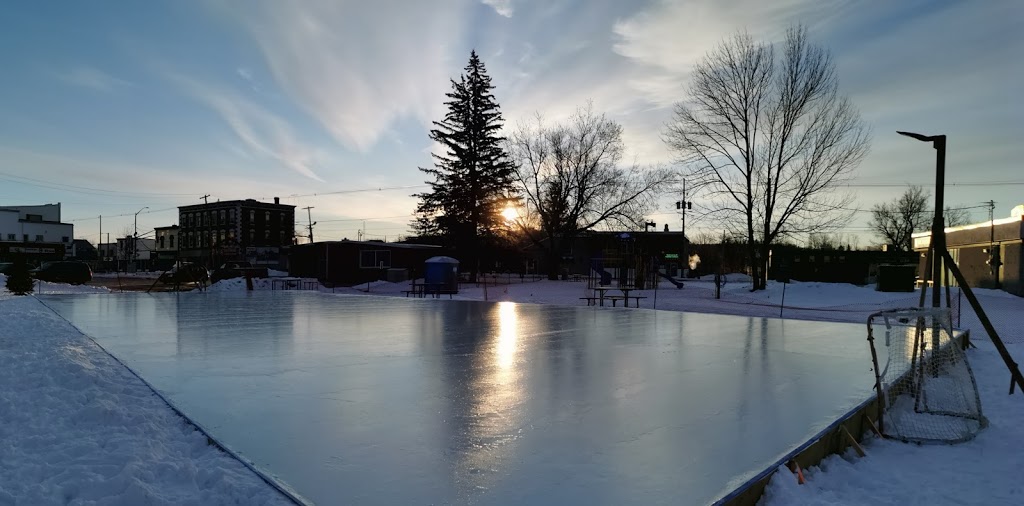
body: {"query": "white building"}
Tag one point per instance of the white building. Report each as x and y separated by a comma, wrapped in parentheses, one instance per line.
(34, 227)
(137, 255)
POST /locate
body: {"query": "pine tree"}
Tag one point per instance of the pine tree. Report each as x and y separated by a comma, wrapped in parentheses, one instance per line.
(19, 281)
(473, 178)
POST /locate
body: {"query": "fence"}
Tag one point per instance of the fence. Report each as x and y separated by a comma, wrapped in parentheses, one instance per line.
(1004, 310)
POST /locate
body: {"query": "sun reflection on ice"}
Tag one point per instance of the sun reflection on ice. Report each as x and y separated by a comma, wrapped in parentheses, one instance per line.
(508, 326)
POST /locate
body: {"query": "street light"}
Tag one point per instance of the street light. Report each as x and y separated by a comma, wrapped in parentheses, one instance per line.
(938, 226)
(135, 240)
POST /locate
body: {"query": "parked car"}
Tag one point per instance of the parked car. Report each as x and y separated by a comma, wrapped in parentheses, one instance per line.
(75, 273)
(185, 272)
(236, 270)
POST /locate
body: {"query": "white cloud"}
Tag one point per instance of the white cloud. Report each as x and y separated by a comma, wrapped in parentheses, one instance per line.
(357, 66)
(260, 130)
(91, 77)
(502, 7)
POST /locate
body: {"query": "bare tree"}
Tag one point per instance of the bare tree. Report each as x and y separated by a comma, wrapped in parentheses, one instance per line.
(895, 222)
(572, 180)
(957, 216)
(769, 143)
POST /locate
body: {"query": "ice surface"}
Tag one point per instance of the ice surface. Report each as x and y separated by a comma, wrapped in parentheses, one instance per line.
(371, 400)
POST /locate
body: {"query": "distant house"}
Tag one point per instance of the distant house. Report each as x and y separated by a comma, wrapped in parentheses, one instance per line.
(34, 231)
(165, 250)
(593, 248)
(987, 253)
(353, 262)
(135, 254)
(236, 230)
(83, 251)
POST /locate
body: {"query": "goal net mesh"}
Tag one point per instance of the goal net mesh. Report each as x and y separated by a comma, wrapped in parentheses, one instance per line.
(926, 389)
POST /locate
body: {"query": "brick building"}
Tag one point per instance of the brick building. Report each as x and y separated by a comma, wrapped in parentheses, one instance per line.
(236, 230)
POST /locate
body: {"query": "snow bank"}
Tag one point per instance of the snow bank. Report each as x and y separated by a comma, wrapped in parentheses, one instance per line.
(55, 288)
(982, 471)
(76, 427)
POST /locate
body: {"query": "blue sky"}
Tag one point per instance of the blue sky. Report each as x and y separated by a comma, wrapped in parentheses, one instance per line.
(109, 107)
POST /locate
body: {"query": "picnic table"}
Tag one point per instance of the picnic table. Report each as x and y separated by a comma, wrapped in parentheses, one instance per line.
(423, 289)
(600, 295)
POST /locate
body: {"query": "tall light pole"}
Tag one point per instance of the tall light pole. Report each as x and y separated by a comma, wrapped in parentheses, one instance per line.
(938, 224)
(135, 240)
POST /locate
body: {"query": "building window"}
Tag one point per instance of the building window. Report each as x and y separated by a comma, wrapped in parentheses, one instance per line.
(374, 259)
(222, 235)
(171, 238)
(64, 239)
(284, 219)
(161, 242)
(222, 216)
(252, 216)
(231, 235)
(252, 235)
(231, 215)
(11, 237)
(39, 238)
(24, 237)
(266, 217)
(281, 239)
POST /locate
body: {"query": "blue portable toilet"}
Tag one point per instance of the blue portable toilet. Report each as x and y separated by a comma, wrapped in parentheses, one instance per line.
(441, 273)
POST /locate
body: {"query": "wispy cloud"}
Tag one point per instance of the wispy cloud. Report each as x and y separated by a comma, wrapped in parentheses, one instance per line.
(503, 7)
(262, 131)
(357, 66)
(92, 78)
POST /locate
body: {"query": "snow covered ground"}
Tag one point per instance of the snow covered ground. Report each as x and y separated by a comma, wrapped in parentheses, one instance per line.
(77, 427)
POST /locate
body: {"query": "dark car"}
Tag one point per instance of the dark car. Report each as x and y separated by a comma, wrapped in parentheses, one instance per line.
(237, 270)
(185, 273)
(71, 272)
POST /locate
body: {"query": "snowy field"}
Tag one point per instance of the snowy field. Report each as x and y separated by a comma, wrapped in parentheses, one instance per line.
(76, 427)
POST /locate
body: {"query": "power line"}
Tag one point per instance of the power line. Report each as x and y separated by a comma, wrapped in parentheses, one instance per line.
(81, 189)
(904, 185)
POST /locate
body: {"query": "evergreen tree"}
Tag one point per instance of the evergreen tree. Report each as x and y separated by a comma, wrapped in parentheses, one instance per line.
(19, 282)
(473, 177)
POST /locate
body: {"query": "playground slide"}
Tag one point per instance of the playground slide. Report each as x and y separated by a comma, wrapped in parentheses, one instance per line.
(674, 281)
(606, 277)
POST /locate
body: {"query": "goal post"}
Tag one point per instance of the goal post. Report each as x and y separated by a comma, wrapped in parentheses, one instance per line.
(926, 389)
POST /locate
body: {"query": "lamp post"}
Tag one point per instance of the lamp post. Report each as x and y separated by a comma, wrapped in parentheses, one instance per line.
(938, 226)
(135, 240)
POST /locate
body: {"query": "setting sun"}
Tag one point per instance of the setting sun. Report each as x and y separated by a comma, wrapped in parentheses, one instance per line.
(510, 214)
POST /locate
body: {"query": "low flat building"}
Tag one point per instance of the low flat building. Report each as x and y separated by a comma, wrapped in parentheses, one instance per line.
(987, 253)
(347, 262)
(34, 231)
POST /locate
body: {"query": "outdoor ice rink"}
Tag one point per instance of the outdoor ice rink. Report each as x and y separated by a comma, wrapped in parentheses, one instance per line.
(358, 400)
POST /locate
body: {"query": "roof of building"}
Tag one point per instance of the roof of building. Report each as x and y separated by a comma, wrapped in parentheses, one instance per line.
(227, 203)
(379, 244)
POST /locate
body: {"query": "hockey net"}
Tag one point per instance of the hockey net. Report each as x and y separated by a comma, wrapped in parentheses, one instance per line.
(926, 389)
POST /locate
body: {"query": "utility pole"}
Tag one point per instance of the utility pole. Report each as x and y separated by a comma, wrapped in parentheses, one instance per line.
(205, 197)
(99, 244)
(309, 217)
(683, 205)
(994, 260)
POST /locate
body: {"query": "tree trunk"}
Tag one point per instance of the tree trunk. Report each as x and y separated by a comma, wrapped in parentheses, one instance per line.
(554, 259)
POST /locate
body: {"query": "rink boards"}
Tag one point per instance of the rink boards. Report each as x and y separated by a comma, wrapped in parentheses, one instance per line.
(373, 400)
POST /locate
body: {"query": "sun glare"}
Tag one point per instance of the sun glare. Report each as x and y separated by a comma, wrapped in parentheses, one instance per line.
(510, 214)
